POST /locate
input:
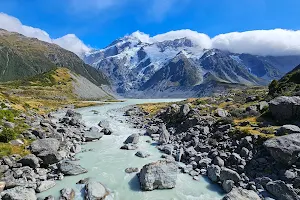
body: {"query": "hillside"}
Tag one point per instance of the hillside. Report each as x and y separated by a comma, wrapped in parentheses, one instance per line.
(289, 85)
(54, 89)
(22, 57)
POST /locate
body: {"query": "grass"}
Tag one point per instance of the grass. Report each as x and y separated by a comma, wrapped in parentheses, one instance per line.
(153, 108)
(7, 149)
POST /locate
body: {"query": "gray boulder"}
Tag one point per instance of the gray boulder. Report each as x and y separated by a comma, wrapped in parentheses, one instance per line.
(287, 129)
(158, 175)
(285, 108)
(164, 135)
(30, 160)
(228, 185)
(284, 149)
(184, 110)
(132, 139)
(281, 191)
(221, 112)
(45, 185)
(47, 144)
(49, 157)
(95, 191)
(262, 105)
(67, 194)
(229, 174)
(68, 168)
(142, 154)
(152, 129)
(241, 194)
(93, 134)
(73, 114)
(19, 193)
(129, 147)
(213, 173)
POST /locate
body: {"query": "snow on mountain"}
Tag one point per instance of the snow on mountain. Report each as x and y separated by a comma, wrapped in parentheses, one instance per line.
(140, 65)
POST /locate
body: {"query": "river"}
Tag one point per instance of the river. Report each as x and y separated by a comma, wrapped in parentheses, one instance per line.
(106, 162)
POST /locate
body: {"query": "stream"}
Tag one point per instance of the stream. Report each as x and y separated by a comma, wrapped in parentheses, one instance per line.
(106, 162)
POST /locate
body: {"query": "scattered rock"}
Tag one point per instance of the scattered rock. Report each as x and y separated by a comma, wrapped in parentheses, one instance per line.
(241, 194)
(132, 139)
(284, 149)
(221, 112)
(93, 134)
(164, 135)
(18, 193)
(287, 129)
(68, 168)
(281, 191)
(30, 160)
(285, 108)
(67, 194)
(229, 174)
(158, 175)
(228, 185)
(131, 170)
(142, 154)
(213, 173)
(95, 191)
(129, 147)
(45, 185)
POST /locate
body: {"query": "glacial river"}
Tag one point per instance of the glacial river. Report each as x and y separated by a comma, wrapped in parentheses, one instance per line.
(106, 162)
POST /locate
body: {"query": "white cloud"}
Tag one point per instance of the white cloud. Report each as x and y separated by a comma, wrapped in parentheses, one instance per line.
(69, 42)
(72, 43)
(277, 42)
(260, 42)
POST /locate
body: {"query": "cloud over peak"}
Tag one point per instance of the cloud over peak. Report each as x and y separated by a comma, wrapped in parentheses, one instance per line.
(276, 42)
(69, 42)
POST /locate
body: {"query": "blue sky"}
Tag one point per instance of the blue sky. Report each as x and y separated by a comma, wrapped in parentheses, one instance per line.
(99, 22)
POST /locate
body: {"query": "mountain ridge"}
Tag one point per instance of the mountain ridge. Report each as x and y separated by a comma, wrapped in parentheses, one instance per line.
(131, 64)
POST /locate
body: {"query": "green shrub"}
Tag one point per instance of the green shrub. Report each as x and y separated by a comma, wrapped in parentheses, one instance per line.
(9, 115)
(7, 135)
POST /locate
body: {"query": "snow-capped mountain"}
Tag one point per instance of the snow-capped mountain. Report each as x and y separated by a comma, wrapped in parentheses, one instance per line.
(181, 67)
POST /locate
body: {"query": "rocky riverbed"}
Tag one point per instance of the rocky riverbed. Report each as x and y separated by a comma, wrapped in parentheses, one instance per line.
(84, 147)
(245, 165)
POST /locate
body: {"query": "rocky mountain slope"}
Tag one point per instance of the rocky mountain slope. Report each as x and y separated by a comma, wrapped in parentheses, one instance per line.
(180, 67)
(22, 57)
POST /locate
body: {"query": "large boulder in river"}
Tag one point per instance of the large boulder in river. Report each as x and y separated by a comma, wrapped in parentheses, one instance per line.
(132, 139)
(164, 135)
(241, 194)
(95, 191)
(19, 193)
(93, 134)
(284, 149)
(281, 191)
(285, 108)
(68, 168)
(158, 175)
(67, 194)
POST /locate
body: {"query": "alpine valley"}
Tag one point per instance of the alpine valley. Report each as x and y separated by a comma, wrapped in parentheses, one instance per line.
(180, 67)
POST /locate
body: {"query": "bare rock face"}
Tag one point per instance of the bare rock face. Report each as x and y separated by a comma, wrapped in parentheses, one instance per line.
(158, 175)
(284, 149)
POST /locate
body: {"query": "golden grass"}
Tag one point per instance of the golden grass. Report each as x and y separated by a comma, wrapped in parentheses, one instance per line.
(153, 108)
(249, 119)
(253, 131)
(8, 149)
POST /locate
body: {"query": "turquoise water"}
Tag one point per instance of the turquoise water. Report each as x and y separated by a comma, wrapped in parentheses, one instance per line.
(106, 162)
